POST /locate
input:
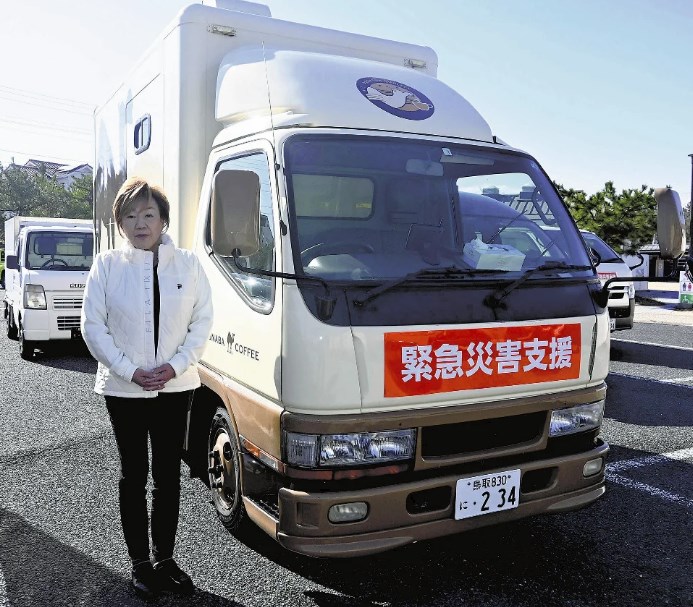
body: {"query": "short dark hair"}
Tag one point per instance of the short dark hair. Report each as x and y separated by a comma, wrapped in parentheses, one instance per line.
(135, 189)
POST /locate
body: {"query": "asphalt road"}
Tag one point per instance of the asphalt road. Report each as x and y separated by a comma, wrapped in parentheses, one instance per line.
(61, 543)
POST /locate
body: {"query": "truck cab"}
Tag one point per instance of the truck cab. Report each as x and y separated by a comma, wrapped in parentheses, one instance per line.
(45, 280)
(427, 332)
(610, 265)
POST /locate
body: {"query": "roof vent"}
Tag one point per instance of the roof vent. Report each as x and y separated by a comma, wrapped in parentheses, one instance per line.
(415, 63)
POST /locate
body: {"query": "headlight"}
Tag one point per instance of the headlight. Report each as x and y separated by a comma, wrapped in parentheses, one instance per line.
(576, 419)
(631, 291)
(34, 297)
(360, 449)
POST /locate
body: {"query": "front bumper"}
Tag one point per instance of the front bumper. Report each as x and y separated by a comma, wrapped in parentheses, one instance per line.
(47, 325)
(303, 525)
(623, 315)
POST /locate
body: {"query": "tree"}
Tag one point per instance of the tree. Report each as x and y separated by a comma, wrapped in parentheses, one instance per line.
(82, 198)
(17, 191)
(51, 200)
(39, 195)
(626, 220)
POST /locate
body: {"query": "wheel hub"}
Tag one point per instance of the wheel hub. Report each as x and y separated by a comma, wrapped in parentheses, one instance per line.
(222, 469)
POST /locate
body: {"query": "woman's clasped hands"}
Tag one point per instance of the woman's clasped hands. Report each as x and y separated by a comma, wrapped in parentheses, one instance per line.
(155, 379)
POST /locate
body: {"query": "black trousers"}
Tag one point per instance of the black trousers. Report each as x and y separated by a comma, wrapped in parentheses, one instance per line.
(136, 421)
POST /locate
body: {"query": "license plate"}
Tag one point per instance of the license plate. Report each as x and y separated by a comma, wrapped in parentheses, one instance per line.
(487, 494)
(612, 324)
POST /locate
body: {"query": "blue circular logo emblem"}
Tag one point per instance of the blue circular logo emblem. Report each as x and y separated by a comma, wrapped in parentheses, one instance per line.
(396, 98)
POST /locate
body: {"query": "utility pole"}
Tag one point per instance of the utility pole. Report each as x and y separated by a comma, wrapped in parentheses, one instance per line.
(690, 212)
(691, 201)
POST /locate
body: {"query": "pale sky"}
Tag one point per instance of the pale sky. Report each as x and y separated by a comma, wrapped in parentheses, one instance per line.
(596, 90)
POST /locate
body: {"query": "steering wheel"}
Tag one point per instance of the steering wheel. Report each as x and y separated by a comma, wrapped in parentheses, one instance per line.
(54, 261)
(331, 248)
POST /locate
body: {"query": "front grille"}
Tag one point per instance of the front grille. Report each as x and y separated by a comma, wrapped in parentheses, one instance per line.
(67, 303)
(429, 500)
(481, 435)
(617, 295)
(619, 312)
(68, 322)
(536, 480)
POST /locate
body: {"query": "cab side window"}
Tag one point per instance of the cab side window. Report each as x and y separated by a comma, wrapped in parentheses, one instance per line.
(258, 290)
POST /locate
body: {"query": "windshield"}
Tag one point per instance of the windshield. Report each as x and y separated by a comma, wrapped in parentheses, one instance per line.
(605, 252)
(59, 251)
(366, 209)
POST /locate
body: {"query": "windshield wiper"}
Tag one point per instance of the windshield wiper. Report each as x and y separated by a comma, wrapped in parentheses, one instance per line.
(445, 273)
(494, 299)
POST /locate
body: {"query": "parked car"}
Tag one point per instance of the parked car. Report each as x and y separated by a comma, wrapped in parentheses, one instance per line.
(622, 295)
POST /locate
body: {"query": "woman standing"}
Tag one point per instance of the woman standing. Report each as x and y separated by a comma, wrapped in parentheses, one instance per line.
(146, 318)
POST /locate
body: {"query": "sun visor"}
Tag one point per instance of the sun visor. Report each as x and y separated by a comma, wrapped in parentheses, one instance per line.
(315, 89)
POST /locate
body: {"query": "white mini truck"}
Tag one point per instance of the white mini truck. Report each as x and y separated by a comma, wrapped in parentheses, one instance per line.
(610, 266)
(399, 350)
(44, 279)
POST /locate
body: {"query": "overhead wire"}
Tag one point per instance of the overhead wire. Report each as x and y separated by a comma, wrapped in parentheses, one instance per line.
(41, 156)
(79, 134)
(46, 125)
(47, 105)
(31, 94)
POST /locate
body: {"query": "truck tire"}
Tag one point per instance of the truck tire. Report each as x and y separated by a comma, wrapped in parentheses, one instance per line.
(11, 327)
(224, 457)
(26, 347)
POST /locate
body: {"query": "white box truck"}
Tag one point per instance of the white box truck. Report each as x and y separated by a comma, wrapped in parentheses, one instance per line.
(610, 265)
(364, 386)
(47, 263)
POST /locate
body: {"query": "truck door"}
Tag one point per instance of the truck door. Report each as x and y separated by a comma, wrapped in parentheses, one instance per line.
(145, 133)
(144, 137)
(17, 277)
(245, 344)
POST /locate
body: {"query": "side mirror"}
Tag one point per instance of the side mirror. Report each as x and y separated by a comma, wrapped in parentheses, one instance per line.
(670, 223)
(235, 216)
(642, 261)
(11, 262)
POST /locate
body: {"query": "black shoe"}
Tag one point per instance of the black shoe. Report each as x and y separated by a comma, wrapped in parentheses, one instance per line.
(145, 581)
(172, 578)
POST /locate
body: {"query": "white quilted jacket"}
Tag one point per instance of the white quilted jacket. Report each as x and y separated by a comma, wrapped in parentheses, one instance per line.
(118, 317)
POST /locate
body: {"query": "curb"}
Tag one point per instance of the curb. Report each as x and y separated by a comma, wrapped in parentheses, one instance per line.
(648, 301)
(672, 304)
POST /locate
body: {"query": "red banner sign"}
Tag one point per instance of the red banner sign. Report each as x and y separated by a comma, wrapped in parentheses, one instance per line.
(428, 362)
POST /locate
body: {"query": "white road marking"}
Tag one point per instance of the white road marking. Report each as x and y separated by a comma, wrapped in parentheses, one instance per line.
(662, 458)
(649, 343)
(629, 464)
(677, 380)
(4, 601)
(643, 378)
(654, 491)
